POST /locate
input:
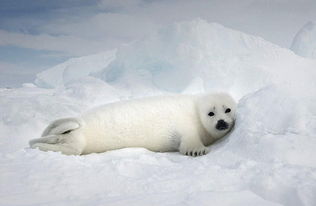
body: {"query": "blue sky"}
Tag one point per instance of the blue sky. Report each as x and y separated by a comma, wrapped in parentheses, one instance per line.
(18, 62)
(37, 34)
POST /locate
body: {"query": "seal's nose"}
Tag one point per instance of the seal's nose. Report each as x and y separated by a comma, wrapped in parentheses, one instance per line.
(221, 125)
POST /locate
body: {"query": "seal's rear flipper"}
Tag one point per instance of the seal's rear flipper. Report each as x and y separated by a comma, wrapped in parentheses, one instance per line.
(62, 126)
(50, 139)
(63, 148)
(61, 135)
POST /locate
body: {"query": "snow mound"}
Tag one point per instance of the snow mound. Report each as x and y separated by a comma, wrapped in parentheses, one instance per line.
(74, 69)
(259, 133)
(304, 42)
(177, 56)
(224, 59)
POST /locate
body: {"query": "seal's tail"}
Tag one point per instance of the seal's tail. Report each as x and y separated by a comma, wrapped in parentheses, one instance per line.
(57, 135)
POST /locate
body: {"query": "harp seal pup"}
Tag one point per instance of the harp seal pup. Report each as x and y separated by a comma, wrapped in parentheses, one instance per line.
(184, 123)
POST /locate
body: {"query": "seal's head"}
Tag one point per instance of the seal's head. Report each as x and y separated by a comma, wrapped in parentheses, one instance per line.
(217, 113)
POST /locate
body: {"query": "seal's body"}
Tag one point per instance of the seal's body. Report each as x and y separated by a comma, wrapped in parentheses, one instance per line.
(184, 123)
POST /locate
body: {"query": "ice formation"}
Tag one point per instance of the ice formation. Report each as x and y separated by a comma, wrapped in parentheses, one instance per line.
(73, 69)
(304, 42)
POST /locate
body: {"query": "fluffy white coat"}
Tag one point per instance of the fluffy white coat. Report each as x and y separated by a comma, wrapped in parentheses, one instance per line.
(166, 123)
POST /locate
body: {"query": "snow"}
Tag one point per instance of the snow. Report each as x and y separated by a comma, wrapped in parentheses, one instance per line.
(268, 159)
(304, 42)
(73, 69)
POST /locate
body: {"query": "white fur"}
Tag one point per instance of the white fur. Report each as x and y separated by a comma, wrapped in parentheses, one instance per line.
(162, 124)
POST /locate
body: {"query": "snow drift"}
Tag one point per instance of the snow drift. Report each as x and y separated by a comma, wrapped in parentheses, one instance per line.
(73, 69)
(181, 54)
(269, 158)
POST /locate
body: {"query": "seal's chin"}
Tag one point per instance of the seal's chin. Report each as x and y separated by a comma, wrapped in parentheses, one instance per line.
(222, 129)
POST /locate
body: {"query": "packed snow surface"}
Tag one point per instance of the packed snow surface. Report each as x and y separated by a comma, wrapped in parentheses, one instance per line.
(304, 42)
(268, 159)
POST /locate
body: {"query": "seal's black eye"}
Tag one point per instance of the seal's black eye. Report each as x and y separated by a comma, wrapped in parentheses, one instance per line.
(211, 114)
(228, 110)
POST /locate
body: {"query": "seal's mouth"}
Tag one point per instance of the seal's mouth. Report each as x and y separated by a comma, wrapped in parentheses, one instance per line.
(222, 125)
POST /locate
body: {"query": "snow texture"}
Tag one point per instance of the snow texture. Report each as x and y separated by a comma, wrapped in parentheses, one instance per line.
(268, 159)
(304, 43)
